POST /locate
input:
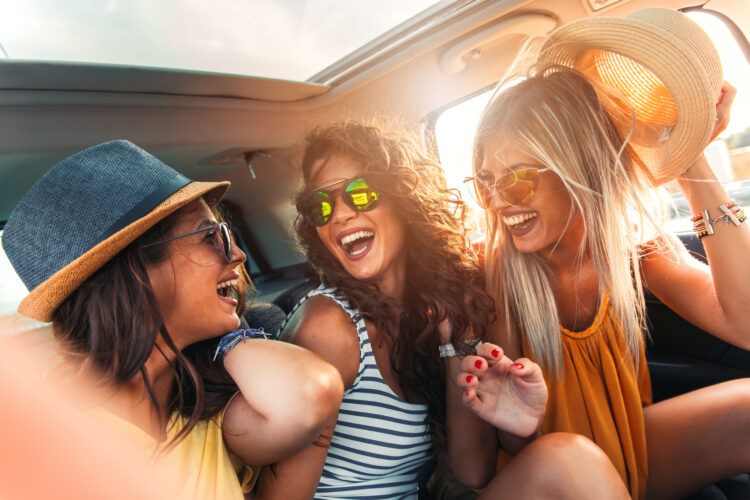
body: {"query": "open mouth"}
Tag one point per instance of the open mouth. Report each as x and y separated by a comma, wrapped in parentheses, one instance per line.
(357, 243)
(520, 219)
(228, 289)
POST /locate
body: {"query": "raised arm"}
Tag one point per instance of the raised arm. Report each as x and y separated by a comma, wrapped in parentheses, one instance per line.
(324, 328)
(714, 297)
(287, 396)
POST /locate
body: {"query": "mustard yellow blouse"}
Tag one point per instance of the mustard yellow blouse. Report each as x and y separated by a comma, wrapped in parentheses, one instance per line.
(601, 396)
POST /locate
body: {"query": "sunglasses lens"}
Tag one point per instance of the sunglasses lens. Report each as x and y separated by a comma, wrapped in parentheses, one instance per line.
(483, 190)
(517, 188)
(226, 241)
(318, 208)
(361, 196)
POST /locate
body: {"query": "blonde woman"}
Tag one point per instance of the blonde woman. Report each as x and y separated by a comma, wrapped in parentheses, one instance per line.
(567, 271)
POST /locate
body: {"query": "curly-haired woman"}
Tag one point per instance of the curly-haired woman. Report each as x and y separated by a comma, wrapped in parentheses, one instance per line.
(402, 293)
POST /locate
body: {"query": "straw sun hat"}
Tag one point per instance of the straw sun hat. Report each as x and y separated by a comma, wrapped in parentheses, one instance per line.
(666, 67)
(85, 210)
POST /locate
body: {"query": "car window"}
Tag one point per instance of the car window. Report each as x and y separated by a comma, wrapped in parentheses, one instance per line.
(293, 39)
(729, 155)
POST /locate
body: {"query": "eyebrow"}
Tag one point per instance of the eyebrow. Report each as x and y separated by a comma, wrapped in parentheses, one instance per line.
(204, 223)
(333, 183)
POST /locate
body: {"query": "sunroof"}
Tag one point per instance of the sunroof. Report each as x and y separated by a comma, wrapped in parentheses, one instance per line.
(289, 39)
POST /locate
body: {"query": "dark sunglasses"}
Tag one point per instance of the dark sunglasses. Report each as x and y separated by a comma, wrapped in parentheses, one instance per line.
(357, 194)
(221, 235)
(515, 188)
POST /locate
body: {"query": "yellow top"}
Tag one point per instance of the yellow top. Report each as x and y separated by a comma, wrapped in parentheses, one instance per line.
(200, 466)
(601, 396)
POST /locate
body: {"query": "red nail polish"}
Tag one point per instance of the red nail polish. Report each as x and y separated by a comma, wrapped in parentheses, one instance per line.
(495, 353)
(478, 363)
(468, 393)
(469, 379)
(518, 366)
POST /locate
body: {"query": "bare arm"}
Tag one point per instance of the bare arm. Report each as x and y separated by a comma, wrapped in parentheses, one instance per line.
(323, 327)
(715, 297)
(471, 447)
(287, 396)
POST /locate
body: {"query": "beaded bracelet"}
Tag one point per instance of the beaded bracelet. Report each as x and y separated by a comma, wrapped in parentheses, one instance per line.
(703, 224)
(231, 339)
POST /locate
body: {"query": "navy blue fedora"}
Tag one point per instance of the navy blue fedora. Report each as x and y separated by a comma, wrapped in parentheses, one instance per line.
(85, 210)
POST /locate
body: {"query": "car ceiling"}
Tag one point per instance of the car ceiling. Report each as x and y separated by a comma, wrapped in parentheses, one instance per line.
(208, 125)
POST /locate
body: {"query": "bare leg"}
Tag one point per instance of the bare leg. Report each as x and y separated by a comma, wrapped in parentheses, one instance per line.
(698, 438)
(558, 465)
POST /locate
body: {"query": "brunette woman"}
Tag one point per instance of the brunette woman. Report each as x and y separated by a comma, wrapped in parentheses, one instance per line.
(402, 302)
(127, 259)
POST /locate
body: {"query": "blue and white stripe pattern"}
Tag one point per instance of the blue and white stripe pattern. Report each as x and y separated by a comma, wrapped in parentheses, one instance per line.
(380, 440)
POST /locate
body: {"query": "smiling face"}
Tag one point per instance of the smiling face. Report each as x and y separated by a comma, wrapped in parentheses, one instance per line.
(370, 245)
(192, 284)
(538, 223)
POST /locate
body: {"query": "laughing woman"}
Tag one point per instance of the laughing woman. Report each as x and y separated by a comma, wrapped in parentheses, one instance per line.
(567, 269)
(402, 293)
(127, 259)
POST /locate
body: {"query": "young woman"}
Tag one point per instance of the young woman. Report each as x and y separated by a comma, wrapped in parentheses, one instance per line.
(127, 259)
(567, 268)
(402, 296)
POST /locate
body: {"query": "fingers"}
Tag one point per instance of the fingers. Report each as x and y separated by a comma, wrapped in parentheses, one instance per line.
(723, 108)
(527, 370)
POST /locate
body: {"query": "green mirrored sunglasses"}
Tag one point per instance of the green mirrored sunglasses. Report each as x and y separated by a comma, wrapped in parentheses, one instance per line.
(357, 194)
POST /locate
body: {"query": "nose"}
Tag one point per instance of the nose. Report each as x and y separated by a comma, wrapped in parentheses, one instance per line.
(238, 256)
(342, 212)
(497, 203)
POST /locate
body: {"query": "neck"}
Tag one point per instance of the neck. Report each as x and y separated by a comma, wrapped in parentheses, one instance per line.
(565, 256)
(133, 402)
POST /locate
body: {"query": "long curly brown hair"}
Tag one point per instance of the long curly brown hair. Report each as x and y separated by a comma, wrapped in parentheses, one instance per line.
(443, 278)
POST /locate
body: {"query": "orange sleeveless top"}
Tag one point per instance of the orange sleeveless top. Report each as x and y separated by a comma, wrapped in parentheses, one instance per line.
(601, 396)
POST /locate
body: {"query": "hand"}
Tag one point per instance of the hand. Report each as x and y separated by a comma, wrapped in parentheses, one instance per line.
(723, 107)
(511, 396)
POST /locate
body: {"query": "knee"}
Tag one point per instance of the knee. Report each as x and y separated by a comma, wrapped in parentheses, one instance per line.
(574, 467)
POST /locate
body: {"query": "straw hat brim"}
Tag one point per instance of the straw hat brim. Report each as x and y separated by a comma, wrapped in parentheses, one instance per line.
(45, 298)
(687, 65)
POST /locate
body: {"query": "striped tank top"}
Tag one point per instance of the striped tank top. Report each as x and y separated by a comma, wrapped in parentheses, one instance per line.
(380, 441)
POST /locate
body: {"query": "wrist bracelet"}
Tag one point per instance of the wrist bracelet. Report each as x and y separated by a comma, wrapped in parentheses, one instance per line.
(448, 350)
(703, 224)
(231, 339)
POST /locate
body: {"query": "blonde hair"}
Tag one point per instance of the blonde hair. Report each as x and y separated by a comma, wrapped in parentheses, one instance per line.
(556, 116)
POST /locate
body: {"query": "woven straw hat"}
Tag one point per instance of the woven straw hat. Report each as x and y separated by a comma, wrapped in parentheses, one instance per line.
(666, 67)
(85, 210)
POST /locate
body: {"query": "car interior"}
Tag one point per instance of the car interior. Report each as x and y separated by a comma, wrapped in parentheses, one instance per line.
(245, 128)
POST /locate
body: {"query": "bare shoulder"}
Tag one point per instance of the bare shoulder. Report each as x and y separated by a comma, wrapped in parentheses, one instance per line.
(325, 328)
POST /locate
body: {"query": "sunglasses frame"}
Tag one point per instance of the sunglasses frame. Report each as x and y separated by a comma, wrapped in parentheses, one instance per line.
(307, 203)
(222, 246)
(492, 187)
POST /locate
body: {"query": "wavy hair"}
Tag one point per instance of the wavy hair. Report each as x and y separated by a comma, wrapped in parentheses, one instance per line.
(110, 325)
(580, 132)
(443, 277)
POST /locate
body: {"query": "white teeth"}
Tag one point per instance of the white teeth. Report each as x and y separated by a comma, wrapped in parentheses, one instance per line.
(226, 284)
(351, 238)
(518, 219)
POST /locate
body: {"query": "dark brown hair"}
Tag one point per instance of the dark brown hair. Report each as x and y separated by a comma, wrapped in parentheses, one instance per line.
(111, 322)
(443, 276)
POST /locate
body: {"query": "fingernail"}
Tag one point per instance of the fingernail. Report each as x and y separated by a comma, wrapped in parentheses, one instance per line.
(469, 379)
(468, 393)
(495, 353)
(478, 363)
(518, 366)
